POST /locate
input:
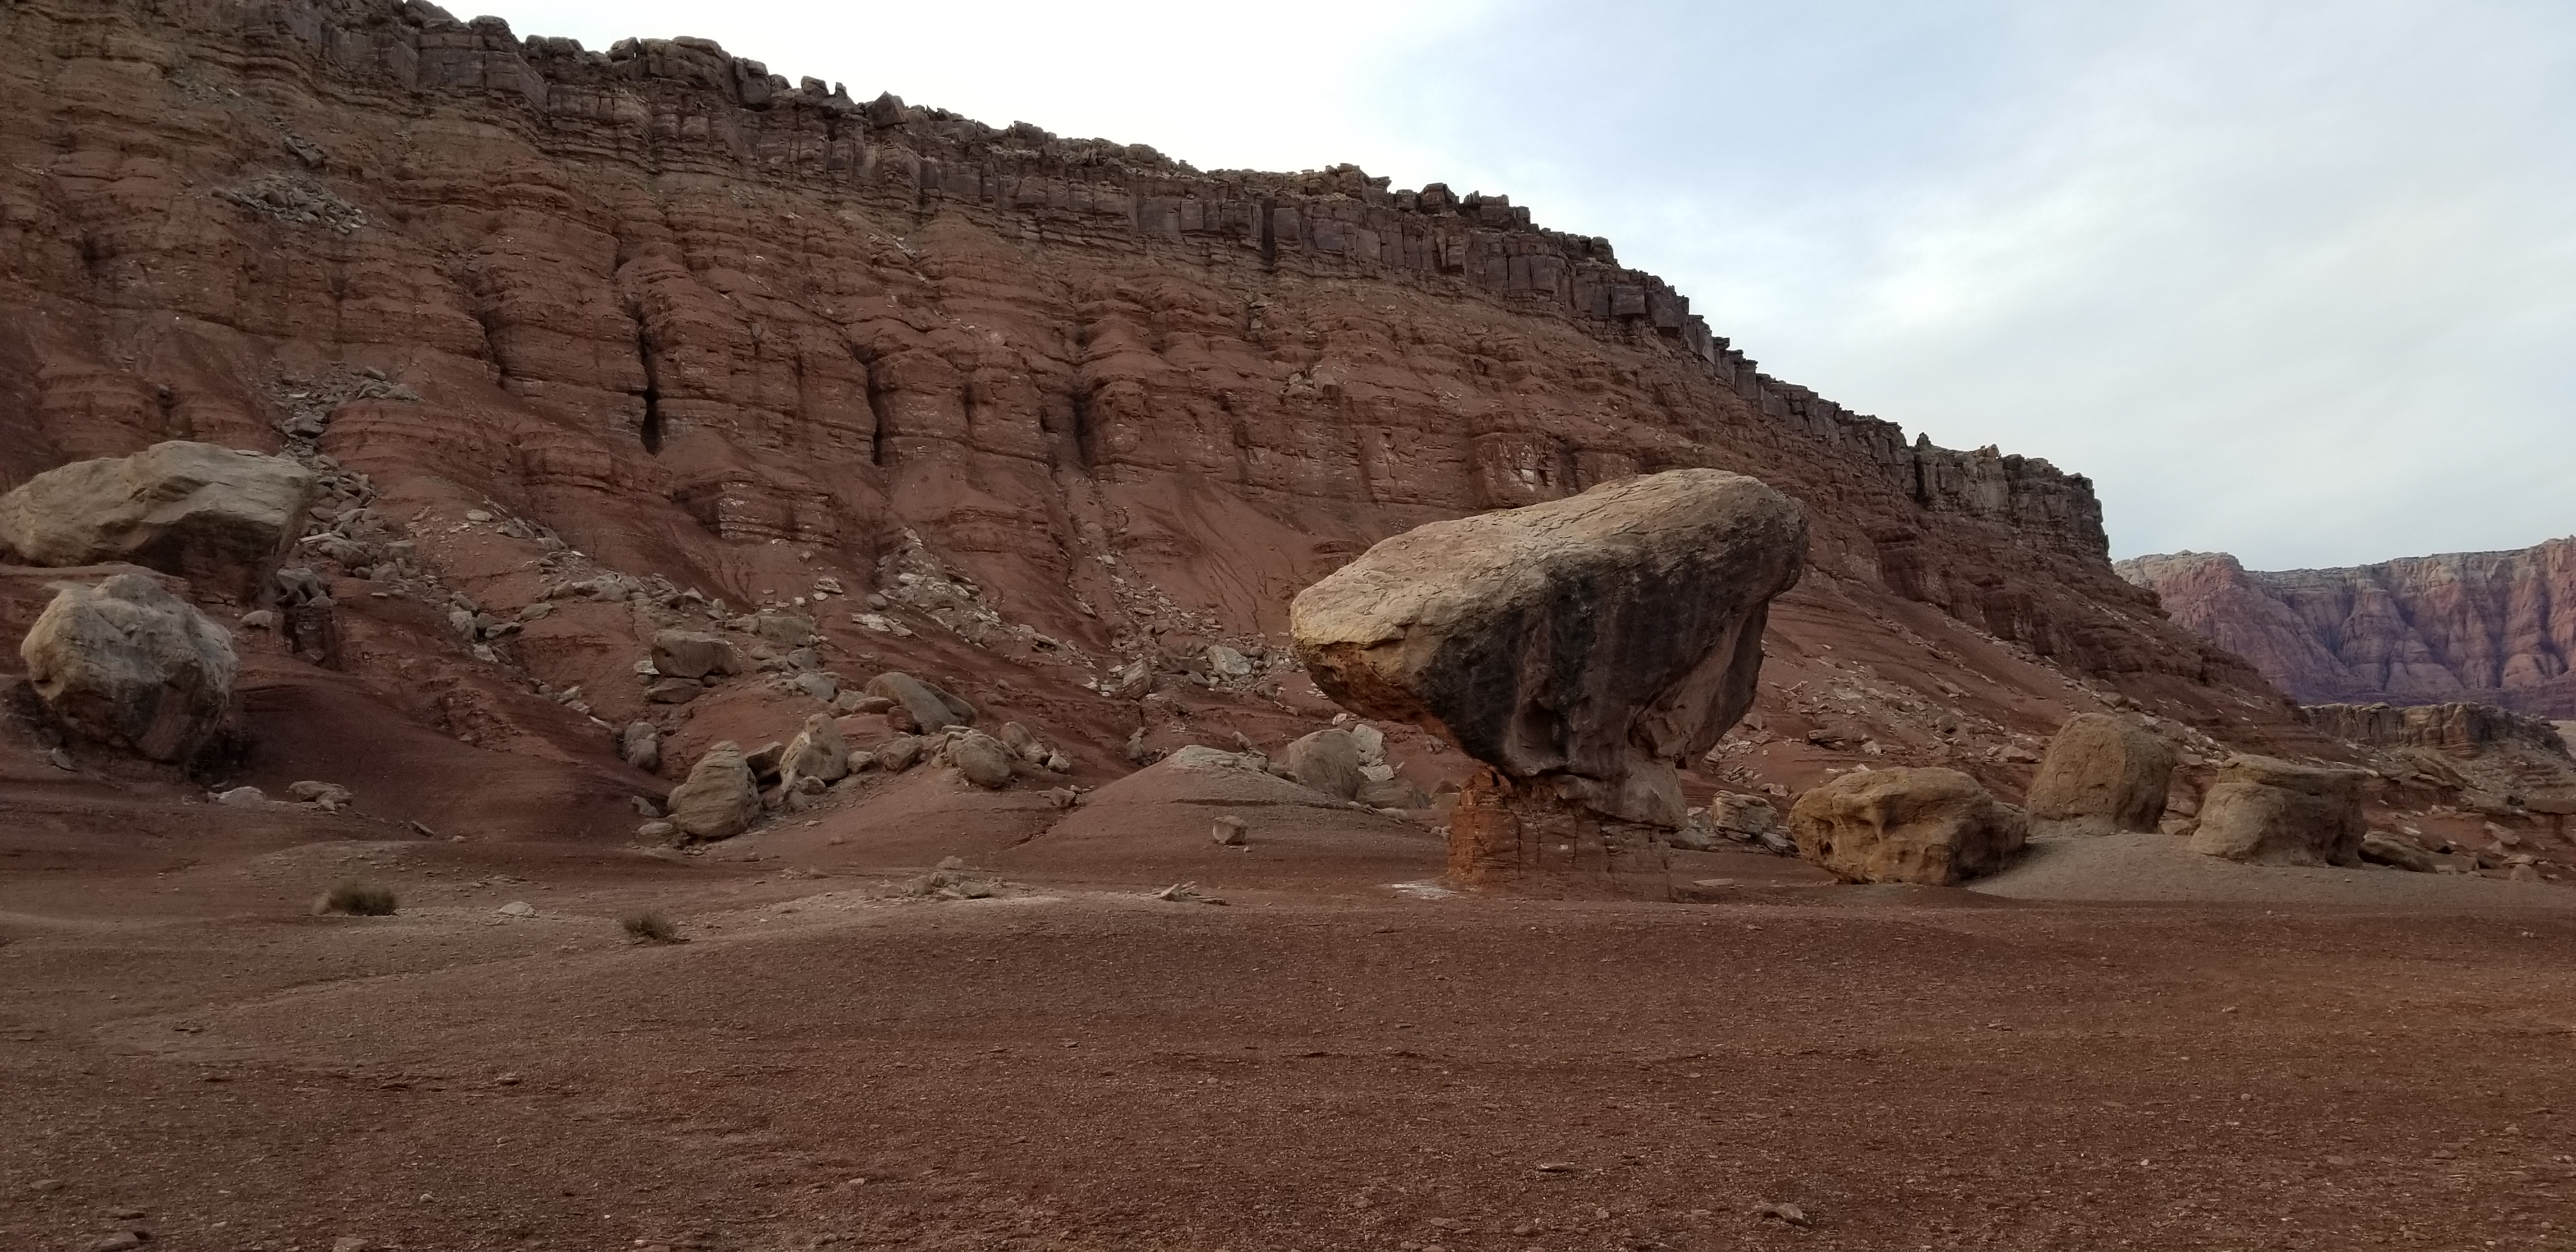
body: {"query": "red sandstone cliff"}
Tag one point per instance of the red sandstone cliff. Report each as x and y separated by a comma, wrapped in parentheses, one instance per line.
(2491, 627)
(1071, 405)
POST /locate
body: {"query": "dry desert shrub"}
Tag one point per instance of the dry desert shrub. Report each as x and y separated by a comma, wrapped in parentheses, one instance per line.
(359, 899)
(650, 927)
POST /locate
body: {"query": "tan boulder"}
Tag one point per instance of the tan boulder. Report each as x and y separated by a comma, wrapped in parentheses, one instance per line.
(718, 800)
(219, 518)
(2274, 812)
(131, 666)
(1580, 647)
(2101, 774)
(1935, 826)
(818, 752)
(1328, 761)
(983, 759)
(691, 654)
(929, 708)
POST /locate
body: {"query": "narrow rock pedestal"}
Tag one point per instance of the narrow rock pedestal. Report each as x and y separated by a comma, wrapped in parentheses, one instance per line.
(1528, 841)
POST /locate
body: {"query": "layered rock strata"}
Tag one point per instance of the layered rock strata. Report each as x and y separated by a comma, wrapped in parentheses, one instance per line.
(2487, 627)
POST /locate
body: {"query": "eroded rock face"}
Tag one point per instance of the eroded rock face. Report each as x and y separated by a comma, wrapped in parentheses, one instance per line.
(1579, 648)
(719, 799)
(1933, 826)
(2101, 774)
(219, 518)
(129, 665)
(2273, 812)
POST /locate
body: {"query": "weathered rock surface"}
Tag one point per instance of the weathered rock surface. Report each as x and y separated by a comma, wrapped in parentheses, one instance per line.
(1934, 826)
(984, 760)
(2461, 729)
(2488, 627)
(1326, 760)
(2101, 774)
(640, 745)
(819, 751)
(2396, 852)
(129, 665)
(930, 708)
(220, 518)
(2273, 812)
(695, 654)
(719, 799)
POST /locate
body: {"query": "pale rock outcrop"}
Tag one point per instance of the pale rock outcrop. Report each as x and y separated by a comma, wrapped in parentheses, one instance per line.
(131, 666)
(929, 708)
(1579, 648)
(984, 760)
(2101, 774)
(818, 751)
(719, 799)
(692, 654)
(2274, 812)
(222, 519)
(1931, 825)
(1328, 761)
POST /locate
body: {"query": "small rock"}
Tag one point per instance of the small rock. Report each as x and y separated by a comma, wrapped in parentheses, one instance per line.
(1187, 893)
(656, 831)
(1789, 1213)
(59, 759)
(518, 908)
(350, 1243)
(1228, 832)
(477, 515)
(984, 760)
(242, 797)
(118, 1242)
(328, 797)
(45, 1186)
(259, 619)
(1062, 797)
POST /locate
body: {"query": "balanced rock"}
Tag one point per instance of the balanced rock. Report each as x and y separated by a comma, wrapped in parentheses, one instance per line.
(129, 665)
(1935, 826)
(718, 800)
(690, 654)
(1327, 761)
(817, 752)
(1579, 648)
(2273, 812)
(929, 708)
(219, 518)
(2101, 774)
(983, 759)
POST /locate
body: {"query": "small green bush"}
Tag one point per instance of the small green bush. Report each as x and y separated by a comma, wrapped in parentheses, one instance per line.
(360, 899)
(649, 927)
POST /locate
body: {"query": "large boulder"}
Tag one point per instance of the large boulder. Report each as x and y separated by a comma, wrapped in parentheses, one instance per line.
(1935, 826)
(219, 518)
(2101, 775)
(2274, 812)
(1328, 761)
(930, 708)
(690, 654)
(818, 751)
(984, 760)
(129, 665)
(719, 799)
(1580, 648)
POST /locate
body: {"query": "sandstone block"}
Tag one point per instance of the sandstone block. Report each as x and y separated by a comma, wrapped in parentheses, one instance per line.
(690, 654)
(2273, 812)
(131, 666)
(1328, 761)
(2102, 774)
(1935, 826)
(901, 753)
(221, 519)
(718, 800)
(2400, 853)
(1227, 832)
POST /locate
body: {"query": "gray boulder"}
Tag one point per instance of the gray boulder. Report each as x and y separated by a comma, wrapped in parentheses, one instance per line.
(983, 759)
(131, 666)
(689, 654)
(1328, 761)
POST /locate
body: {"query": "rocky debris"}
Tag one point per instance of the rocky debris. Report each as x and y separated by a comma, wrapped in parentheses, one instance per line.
(1927, 825)
(1225, 662)
(328, 797)
(1201, 756)
(719, 799)
(926, 707)
(1228, 832)
(219, 518)
(657, 831)
(640, 746)
(818, 752)
(2101, 774)
(2493, 627)
(1750, 819)
(131, 666)
(2397, 851)
(295, 199)
(2274, 812)
(691, 654)
(951, 879)
(1580, 648)
(984, 760)
(517, 909)
(2457, 728)
(1392, 793)
(1328, 761)
(901, 753)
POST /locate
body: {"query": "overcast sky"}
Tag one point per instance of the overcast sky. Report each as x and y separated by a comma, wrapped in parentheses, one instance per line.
(2291, 280)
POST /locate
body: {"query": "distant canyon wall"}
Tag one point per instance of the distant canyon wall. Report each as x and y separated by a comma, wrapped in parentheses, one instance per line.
(2490, 627)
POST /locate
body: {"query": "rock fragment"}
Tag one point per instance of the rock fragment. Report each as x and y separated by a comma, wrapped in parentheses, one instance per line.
(129, 665)
(691, 654)
(2397, 852)
(818, 752)
(640, 745)
(1228, 832)
(1931, 825)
